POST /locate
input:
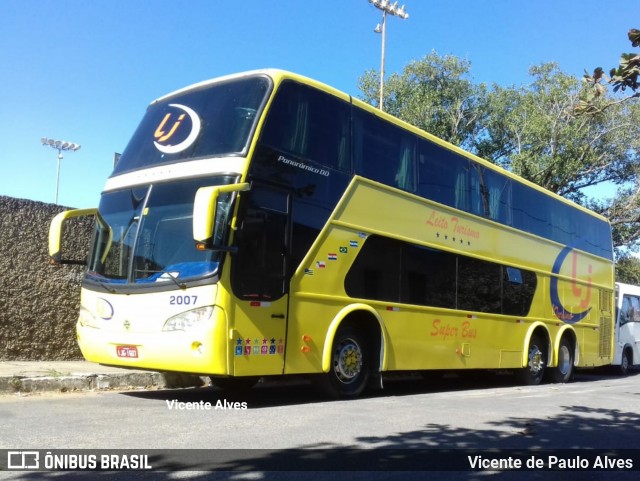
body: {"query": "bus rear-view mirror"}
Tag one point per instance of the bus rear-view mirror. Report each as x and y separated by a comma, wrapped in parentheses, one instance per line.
(56, 230)
(205, 212)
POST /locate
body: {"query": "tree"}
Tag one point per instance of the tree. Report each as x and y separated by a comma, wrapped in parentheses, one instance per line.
(624, 210)
(533, 131)
(628, 270)
(434, 94)
(624, 77)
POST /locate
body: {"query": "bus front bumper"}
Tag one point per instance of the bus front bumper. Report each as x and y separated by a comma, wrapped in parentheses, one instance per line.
(198, 350)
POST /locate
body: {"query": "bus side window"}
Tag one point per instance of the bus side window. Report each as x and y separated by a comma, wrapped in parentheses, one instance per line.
(391, 270)
(467, 189)
(496, 192)
(479, 286)
(310, 125)
(375, 274)
(626, 310)
(384, 153)
(634, 314)
(405, 177)
(437, 171)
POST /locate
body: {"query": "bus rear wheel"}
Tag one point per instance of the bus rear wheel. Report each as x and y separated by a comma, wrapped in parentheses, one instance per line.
(533, 373)
(350, 365)
(563, 372)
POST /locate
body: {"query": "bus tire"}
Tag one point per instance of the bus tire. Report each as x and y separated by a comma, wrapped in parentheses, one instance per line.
(563, 372)
(350, 368)
(625, 362)
(532, 374)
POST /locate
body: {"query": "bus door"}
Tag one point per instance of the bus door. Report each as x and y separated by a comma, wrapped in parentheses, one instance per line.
(259, 281)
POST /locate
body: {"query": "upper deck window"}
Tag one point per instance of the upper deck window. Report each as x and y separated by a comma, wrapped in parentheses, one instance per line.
(213, 121)
(309, 124)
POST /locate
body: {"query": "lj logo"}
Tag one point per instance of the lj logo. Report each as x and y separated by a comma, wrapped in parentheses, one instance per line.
(23, 460)
(579, 292)
(172, 126)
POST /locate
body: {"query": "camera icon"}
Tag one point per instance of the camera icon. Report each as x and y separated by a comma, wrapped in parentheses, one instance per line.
(23, 460)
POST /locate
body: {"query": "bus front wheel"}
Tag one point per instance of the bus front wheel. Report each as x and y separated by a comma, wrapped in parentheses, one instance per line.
(625, 363)
(350, 365)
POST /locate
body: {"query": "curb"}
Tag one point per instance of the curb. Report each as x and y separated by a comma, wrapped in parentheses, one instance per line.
(99, 382)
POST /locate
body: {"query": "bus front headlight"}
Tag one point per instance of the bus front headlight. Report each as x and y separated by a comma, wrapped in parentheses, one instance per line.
(188, 319)
(87, 319)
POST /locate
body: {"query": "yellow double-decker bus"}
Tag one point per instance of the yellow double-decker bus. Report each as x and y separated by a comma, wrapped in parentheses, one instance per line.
(265, 224)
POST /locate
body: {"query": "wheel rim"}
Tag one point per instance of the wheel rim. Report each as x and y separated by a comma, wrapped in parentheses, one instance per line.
(564, 360)
(536, 362)
(348, 361)
(625, 361)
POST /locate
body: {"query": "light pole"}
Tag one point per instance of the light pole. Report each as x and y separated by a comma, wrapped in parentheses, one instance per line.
(387, 7)
(59, 145)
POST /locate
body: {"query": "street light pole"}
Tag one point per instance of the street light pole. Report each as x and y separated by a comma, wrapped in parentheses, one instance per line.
(59, 145)
(384, 36)
(386, 7)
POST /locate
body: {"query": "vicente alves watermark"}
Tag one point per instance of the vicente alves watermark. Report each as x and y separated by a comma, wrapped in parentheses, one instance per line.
(220, 404)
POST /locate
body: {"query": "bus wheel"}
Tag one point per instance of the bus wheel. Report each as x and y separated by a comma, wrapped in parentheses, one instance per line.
(563, 372)
(533, 373)
(625, 363)
(350, 368)
(234, 385)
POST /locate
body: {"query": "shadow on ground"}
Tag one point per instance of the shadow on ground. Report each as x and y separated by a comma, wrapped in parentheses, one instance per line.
(439, 449)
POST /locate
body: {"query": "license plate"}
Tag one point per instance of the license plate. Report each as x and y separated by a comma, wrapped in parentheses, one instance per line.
(127, 351)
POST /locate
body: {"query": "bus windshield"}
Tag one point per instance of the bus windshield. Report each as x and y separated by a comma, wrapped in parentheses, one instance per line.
(213, 121)
(144, 234)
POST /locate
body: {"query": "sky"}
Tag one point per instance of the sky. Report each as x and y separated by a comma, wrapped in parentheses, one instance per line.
(85, 71)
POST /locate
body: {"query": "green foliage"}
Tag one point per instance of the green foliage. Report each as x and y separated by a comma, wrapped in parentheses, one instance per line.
(628, 270)
(434, 94)
(626, 76)
(534, 132)
(623, 211)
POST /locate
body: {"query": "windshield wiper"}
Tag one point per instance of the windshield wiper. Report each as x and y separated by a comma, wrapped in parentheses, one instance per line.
(181, 285)
(106, 287)
(93, 278)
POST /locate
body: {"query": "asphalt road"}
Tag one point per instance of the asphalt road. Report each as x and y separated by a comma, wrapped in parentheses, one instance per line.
(476, 414)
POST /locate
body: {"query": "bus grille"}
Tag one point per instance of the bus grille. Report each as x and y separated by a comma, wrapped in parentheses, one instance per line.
(606, 327)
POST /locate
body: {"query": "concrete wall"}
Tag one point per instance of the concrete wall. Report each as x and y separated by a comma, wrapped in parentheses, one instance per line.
(39, 303)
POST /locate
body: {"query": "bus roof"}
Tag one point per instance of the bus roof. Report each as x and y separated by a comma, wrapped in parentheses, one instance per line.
(278, 75)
